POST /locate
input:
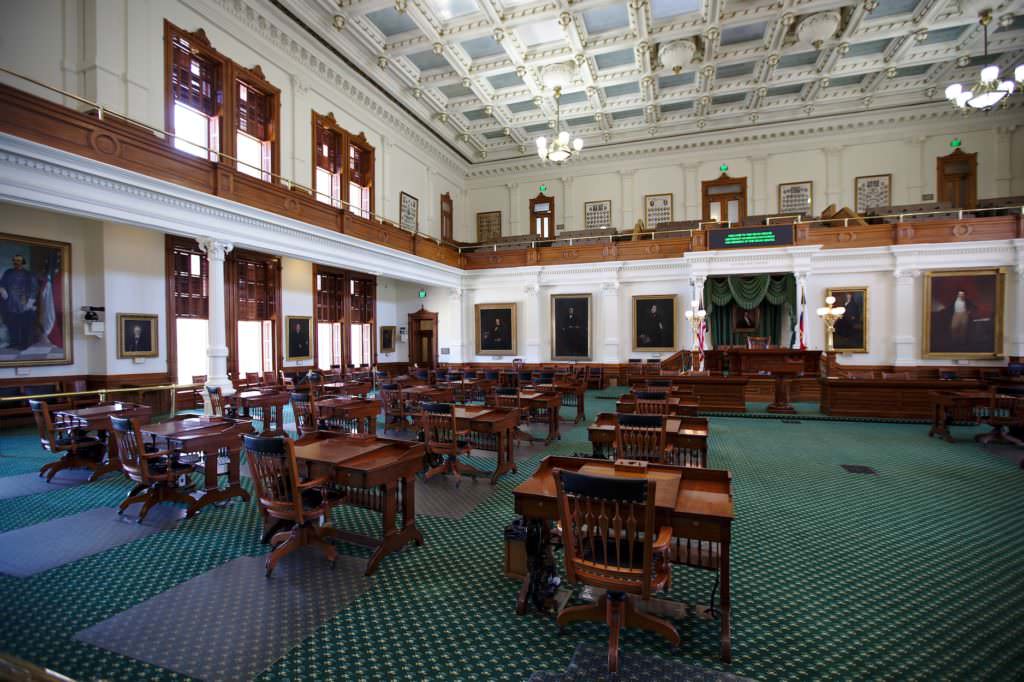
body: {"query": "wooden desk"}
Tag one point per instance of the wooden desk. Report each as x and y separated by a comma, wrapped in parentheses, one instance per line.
(683, 432)
(547, 401)
(417, 394)
(97, 418)
(496, 422)
(209, 436)
(954, 407)
(701, 509)
(362, 411)
(754, 360)
(892, 398)
(677, 405)
(715, 393)
(266, 405)
(378, 474)
(348, 387)
(573, 394)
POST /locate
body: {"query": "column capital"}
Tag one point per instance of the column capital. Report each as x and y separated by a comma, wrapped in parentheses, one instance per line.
(214, 248)
(628, 173)
(905, 273)
(455, 293)
(611, 287)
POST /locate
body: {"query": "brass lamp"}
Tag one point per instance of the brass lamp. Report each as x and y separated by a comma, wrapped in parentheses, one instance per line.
(695, 316)
(831, 314)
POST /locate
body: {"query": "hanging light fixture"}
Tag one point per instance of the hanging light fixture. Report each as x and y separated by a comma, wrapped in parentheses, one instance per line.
(563, 145)
(989, 90)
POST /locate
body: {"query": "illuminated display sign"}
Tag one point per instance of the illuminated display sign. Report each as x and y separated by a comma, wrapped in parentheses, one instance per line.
(748, 237)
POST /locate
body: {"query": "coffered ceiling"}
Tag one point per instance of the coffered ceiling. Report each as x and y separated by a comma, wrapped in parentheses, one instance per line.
(473, 69)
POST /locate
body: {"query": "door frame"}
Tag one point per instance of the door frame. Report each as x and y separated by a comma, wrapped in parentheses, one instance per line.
(416, 320)
(958, 155)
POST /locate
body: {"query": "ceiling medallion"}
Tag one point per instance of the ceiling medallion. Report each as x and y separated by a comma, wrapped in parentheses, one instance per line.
(988, 90)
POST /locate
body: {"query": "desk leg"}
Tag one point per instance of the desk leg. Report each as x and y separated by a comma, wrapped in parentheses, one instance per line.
(726, 613)
(553, 419)
(212, 492)
(581, 411)
(113, 462)
(393, 538)
(540, 563)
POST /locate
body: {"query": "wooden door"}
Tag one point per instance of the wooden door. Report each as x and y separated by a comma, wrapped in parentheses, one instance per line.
(542, 216)
(956, 179)
(725, 199)
(423, 338)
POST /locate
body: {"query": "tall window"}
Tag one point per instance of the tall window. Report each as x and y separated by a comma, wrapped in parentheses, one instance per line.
(345, 305)
(256, 284)
(342, 166)
(447, 217)
(254, 145)
(330, 318)
(361, 321)
(195, 95)
(190, 308)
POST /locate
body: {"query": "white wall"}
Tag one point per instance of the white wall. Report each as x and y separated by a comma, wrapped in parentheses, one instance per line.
(296, 300)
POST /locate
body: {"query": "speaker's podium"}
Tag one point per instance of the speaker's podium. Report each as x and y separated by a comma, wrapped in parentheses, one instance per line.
(783, 364)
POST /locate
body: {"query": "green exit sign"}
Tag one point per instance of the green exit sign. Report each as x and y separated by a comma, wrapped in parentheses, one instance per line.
(723, 168)
(543, 188)
(955, 142)
(423, 293)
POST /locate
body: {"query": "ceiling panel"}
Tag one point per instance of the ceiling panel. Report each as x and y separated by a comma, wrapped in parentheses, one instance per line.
(540, 32)
(520, 107)
(744, 33)
(451, 9)
(734, 70)
(391, 22)
(871, 48)
(427, 60)
(484, 46)
(607, 18)
(676, 80)
(615, 60)
(888, 8)
(505, 80)
(798, 59)
(630, 88)
(666, 9)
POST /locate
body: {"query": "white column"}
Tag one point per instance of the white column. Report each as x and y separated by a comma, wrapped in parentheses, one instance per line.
(628, 218)
(759, 182)
(383, 162)
(301, 166)
(458, 342)
(905, 317)
(610, 301)
(1003, 170)
(569, 206)
(533, 318)
(916, 181)
(429, 223)
(834, 177)
(217, 350)
(104, 43)
(1015, 305)
(513, 209)
(691, 188)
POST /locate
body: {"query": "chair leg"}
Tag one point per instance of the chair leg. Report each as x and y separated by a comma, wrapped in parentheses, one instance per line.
(129, 501)
(615, 610)
(595, 612)
(287, 547)
(151, 501)
(645, 621)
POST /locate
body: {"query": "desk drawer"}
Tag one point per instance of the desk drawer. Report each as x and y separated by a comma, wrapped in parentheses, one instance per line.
(698, 529)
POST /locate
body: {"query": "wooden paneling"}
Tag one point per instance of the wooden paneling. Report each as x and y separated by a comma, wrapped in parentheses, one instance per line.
(895, 399)
(380, 233)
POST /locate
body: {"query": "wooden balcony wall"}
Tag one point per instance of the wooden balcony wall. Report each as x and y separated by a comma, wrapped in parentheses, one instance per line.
(135, 148)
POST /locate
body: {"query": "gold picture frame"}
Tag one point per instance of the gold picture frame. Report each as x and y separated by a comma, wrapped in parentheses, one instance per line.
(651, 203)
(805, 207)
(298, 342)
(388, 338)
(143, 341)
(593, 211)
(861, 191)
(863, 303)
(565, 345)
(499, 315)
(983, 291)
(651, 333)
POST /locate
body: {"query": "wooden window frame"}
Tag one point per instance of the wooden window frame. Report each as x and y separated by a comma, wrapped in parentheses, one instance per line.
(707, 199)
(348, 140)
(254, 79)
(447, 217)
(346, 277)
(201, 47)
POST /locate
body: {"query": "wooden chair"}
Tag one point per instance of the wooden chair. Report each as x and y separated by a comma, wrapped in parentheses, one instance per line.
(80, 401)
(285, 380)
(445, 443)
(595, 378)
(524, 378)
(757, 342)
(312, 381)
(509, 398)
(253, 379)
(394, 406)
(651, 402)
(218, 408)
(75, 449)
(284, 497)
(635, 370)
(652, 368)
(641, 436)
(304, 410)
(197, 392)
(611, 542)
(156, 473)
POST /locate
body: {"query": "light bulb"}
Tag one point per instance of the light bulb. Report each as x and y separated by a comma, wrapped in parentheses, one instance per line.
(563, 138)
(577, 144)
(839, 311)
(559, 154)
(962, 98)
(989, 74)
(541, 152)
(829, 300)
(542, 142)
(987, 99)
(1007, 86)
(822, 311)
(1018, 73)
(953, 91)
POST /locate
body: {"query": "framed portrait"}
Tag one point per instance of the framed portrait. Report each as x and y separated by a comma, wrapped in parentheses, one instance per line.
(745, 321)
(795, 197)
(657, 209)
(963, 315)
(408, 212)
(35, 302)
(597, 214)
(388, 335)
(136, 336)
(871, 192)
(570, 326)
(299, 345)
(488, 226)
(654, 323)
(495, 328)
(851, 333)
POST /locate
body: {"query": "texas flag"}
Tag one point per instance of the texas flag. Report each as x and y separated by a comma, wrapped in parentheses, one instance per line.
(803, 307)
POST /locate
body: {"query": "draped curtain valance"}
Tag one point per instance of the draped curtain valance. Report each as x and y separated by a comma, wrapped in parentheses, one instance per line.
(748, 291)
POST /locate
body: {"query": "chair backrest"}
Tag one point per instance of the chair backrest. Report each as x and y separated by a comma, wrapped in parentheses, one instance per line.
(640, 436)
(506, 397)
(285, 380)
(608, 530)
(651, 402)
(275, 474)
(421, 374)
(391, 396)
(216, 400)
(441, 375)
(252, 378)
(44, 423)
(304, 409)
(198, 378)
(130, 447)
(525, 377)
(490, 375)
(439, 426)
(759, 342)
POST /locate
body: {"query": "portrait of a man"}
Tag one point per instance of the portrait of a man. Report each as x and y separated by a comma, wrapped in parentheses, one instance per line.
(299, 347)
(136, 336)
(570, 325)
(744, 320)
(387, 339)
(496, 329)
(654, 323)
(964, 317)
(851, 332)
(35, 302)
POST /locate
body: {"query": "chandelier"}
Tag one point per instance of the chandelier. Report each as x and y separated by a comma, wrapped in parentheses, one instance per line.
(563, 145)
(989, 90)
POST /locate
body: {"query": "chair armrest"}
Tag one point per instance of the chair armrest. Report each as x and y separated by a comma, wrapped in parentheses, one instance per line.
(664, 539)
(318, 482)
(158, 454)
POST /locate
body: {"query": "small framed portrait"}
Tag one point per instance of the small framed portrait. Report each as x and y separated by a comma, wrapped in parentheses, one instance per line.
(795, 197)
(388, 334)
(570, 326)
(871, 192)
(963, 315)
(597, 214)
(654, 323)
(408, 212)
(299, 346)
(657, 209)
(851, 332)
(136, 336)
(745, 321)
(495, 328)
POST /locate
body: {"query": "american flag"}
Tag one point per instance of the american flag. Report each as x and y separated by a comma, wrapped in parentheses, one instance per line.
(702, 330)
(803, 306)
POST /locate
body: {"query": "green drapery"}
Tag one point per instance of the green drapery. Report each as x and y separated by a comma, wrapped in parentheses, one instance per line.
(776, 292)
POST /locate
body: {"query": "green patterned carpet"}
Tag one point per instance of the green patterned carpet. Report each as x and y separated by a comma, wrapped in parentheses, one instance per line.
(916, 573)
